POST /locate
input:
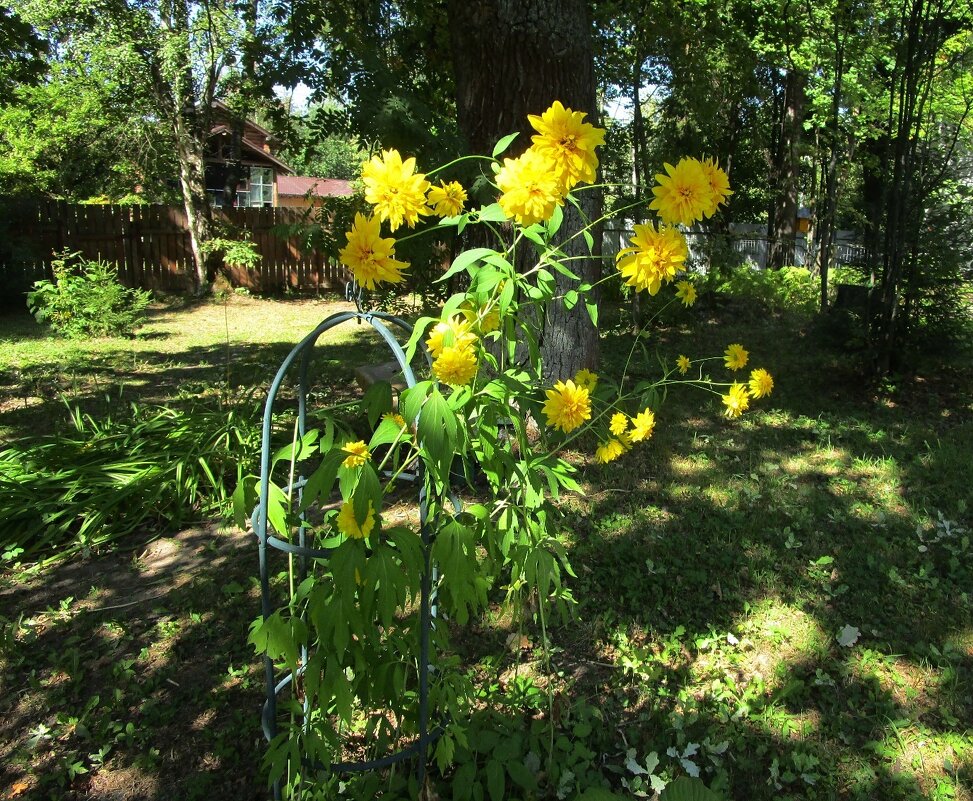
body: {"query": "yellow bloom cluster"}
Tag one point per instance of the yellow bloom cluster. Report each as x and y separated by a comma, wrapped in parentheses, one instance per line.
(735, 357)
(395, 189)
(357, 454)
(562, 155)
(567, 406)
(370, 257)
(737, 398)
(399, 196)
(655, 258)
(689, 191)
(453, 346)
(642, 426)
(349, 525)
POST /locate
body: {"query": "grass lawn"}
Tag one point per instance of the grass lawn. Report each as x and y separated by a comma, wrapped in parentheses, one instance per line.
(781, 603)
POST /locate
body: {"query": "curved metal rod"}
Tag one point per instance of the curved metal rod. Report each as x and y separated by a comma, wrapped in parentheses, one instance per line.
(381, 322)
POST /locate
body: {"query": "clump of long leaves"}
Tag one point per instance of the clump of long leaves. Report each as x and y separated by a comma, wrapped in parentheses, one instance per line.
(148, 468)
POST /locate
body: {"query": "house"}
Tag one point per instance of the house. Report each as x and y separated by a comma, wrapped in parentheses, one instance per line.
(300, 191)
(261, 167)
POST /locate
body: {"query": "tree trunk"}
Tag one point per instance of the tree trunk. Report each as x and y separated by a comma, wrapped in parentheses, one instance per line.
(196, 203)
(782, 232)
(512, 58)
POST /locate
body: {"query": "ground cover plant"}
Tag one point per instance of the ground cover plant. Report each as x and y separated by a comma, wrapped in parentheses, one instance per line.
(781, 604)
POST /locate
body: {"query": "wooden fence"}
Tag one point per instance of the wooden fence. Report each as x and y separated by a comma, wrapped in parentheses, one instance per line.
(150, 245)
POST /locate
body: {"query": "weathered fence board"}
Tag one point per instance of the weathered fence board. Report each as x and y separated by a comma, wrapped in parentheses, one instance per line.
(151, 247)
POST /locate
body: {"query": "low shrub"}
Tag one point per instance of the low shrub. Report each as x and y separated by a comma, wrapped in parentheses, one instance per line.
(787, 289)
(86, 299)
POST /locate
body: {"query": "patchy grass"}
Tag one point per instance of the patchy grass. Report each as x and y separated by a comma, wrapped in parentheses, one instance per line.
(781, 602)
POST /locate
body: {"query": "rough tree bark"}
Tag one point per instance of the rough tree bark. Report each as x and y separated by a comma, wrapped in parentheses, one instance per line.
(513, 58)
(782, 231)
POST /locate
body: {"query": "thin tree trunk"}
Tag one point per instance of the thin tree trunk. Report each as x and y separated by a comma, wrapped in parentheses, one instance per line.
(783, 222)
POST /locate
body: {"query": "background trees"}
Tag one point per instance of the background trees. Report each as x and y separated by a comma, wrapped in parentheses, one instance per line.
(854, 110)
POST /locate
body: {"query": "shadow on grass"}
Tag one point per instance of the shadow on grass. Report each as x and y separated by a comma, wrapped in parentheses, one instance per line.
(727, 557)
(137, 672)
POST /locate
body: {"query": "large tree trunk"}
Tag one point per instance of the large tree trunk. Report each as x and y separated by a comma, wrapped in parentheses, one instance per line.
(782, 232)
(513, 58)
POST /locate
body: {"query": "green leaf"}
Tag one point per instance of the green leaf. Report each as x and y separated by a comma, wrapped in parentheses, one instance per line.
(412, 399)
(492, 213)
(504, 143)
(377, 400)
(688, 789)
(368, 490)
(437, 432)
(463, 782)
(464, 260)
(570, 299)
(592, 308)
(245, 497)
(521, 775)
(589, 239)
(496, 780)
(321, 481)
(554, 224)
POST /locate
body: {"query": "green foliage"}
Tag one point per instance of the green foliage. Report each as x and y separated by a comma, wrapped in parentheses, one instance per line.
(235, 252)
(86, 299)
(794, 289)
(142, 467)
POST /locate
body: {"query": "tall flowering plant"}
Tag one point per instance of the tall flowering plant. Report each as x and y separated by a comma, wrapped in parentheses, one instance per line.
(484, 417)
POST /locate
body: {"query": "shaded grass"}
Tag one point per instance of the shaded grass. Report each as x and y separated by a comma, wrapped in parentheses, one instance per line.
(717, 566)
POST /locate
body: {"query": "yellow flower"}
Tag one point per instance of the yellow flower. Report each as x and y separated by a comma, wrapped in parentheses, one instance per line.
(735, 357)
(369, 256)
(737, 400)
(655, 259)
(761, 383)
(686, 292)
(568, 143)
(456, 365)
(447, 199)
(684, 195)
(719, 184)
(396, 418)
(608, 451)
(348, 524)
(683, 364)
(454, 332)
(530, 188)
(587, 379)
(567, 406)
(643, 425)
(357, 454)
(619, 423)
(395, 189)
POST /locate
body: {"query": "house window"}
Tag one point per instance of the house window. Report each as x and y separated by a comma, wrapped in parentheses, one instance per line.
(261, 187)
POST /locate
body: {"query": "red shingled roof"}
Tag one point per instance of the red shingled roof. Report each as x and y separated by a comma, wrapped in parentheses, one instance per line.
(301, 185)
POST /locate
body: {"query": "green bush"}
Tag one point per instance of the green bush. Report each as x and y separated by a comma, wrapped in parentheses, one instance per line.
(787, 289)
(86, 299)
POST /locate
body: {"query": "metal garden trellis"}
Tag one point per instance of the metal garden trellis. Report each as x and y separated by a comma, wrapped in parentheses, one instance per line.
(302, 353)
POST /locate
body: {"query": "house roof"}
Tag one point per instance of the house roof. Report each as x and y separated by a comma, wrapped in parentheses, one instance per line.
(259, 151)
(299, 185)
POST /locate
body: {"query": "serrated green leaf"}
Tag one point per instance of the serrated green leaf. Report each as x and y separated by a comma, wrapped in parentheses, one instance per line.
(377, 400)
(496, 779)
